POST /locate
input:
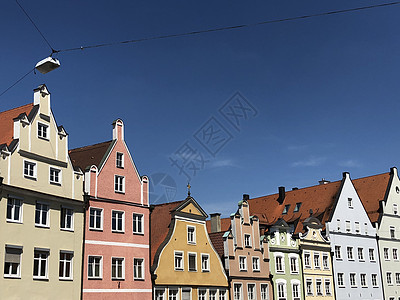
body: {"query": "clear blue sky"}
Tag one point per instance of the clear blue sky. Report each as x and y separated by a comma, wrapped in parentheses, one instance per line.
(326, 90)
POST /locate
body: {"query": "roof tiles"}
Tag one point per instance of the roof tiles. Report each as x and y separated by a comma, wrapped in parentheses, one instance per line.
(7, 122)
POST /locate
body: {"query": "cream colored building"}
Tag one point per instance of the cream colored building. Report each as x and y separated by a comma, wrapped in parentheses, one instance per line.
(41, 206)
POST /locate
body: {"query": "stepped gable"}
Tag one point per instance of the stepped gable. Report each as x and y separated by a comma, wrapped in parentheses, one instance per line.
(7, 122)
(160, 221)
(90, 155)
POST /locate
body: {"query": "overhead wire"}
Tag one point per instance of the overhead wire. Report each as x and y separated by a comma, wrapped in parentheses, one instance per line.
(10, 87)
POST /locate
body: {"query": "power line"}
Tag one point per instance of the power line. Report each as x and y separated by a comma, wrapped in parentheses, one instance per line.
(230, 27)
(10, 87)
(33, 23)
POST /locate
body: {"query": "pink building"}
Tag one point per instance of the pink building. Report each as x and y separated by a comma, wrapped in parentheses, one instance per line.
(116, 250)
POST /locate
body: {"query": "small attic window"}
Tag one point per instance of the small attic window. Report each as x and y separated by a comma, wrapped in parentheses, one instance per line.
(286, 209)
(297, 207)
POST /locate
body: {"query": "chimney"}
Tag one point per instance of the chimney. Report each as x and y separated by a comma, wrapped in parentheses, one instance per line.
(118, 129)
(323, 181)
(295, 188)
(281, 194)
(215, 222)
(246, 197)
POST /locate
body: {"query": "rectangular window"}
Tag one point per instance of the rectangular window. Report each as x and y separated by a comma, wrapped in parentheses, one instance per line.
(398, 278)
(307, 260)
(363, 280)
(371, 254)
(55, 176)
(294, 265)
(264, 292)
(202, 294)
(392, 232)
(286, 209)
(328, 287)
(318, 285)
(65, 266)
(395, 209)
(138, 268)
(120, 160)
(360, 252)
(281, 291)
(42, 214)
(366, 228)
(14, 210)
(338, 224)
(95, 267)
(95, 218)
(350, 253)
(251, 291)
(40, 263)
(117, 268)
(325, 261)
(222, 295)
(357, 227)
(237, 291)
(338, 252)
(352, 279)
(12, 262)
(395, 254)
(173, 294)
(43, 131)
(117, 221)
(67, 218)
(350, 202)
(205, 262)
(119, 184)
(159, 294)
(389, 278)
(386, 253)
(296, 291)
(317, 264)
(348, 226)
(256, 264)
(242, 263)
(29, 169)
(192, 262)
(279, 264)
(191, 235)
(212, 295)
(247, 240)
(374, 279)
(178, 260)
(340, 279)
(137, 223)
(309, 287)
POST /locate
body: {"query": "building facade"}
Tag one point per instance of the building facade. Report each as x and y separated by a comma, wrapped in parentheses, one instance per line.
(316, 261)
(116, 254)
(42, 208)
(185, 264)
(356, 261)
(246, 257)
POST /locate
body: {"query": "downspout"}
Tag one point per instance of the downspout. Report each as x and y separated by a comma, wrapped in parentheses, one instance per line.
(85, 207)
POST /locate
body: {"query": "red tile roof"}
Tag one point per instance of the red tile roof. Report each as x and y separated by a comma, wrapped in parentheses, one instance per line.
(89, 155)
(218, 242)
(7, 123)
(160, 219)
(225, 224)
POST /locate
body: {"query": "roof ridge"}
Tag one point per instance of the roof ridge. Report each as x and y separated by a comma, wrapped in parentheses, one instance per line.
(168, 203)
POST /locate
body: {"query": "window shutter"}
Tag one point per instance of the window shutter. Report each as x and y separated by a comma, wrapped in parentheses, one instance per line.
(12, 255)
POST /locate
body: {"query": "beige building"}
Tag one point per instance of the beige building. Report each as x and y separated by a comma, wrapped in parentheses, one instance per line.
(41, 204)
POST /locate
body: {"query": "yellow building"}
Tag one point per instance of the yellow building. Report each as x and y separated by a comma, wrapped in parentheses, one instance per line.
(184, 263)
(317, 265)
(41, 206)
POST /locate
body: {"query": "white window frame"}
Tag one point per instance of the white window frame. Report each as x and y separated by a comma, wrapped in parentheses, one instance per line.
(100, 276)
(173, 294)
(159, 294)
(237, 294)
(328, 287)
(45, 134)
(117, 259)
(371, 251)
(17, 252)
(97, 209)
(282, 261)
(281, 282)
(255, 262)
(39, 260)
(353, 275)
(117, 212)
(66, 208)
(135, 268)
(119, 163)
(389, 278)
(251, 291)
(202, 294)
(138, 219)
(296, 283)
(242, 263)
(13, 209)
(317, 260)
(374, 280)
(247, 240)
(350, 252)
(59, 175)
(207, 267)
(195, 261)
(319, 283)
(119, 184)
(65, 261)
(325, 258)
(296, 263)
(357, 227)
(212, 294)
(395, 254)
(222, 294)
(191, 235)
(34, 169)
(264, 291)
(395, 209)
(360, 257)
(392, 229)
(40, 224)
(340, 280)
(350, 202)
(397, 278)
(363, 277)
(386, 254)
(338, 250)
(348, 226)
(338, 225)
(309, 283)
(179, 254)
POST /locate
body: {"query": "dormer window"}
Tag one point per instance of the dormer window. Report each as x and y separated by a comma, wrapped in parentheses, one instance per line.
(43, 131)
(297, 207)
(350, 202)
(120, 160)
(286, 209)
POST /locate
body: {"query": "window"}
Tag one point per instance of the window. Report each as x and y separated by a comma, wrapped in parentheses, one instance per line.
(117, 268)
(237, 291)
(95, 218)
(178, 260)
(395, 254)
(340, 279)
(65, 267)
(120, 160)
(205, 263)
(222, 295)
(138, 268)
(317, 264)
(42, 214)
(325, 261)
(360, 252)
(191, 235)
(352, 279)
(297, 207)
(242, 263)
(137, 223)
(374, 279)
(279, 264)
(389, 278)
(264, 292)
(350, 253)
(286, 209)
(192, 262)
(256, 264)
(328, 287)
(357, 227)
(67, 218)
(202, 294)
(294, 265)
(318, 285)
(392, 232)
(386, 253)
(159, 294)
(247, 240)
(338, 224)
(371, 255)
(398, 278)
(55, 176)
(117, 221)
(281, 291)
(363, 280)
(43, 131)
(14, 210)
(212, 295)
(307, 260)
(40, 263)
(348, 226)
(12, 262)
(29, 169)
(95, 267)
(365, 228)
(119, 184)
(309, 287)
(296, 291)
(251, 291)
(395, 209)
(338, 252)
(350, 202)
(173, 294)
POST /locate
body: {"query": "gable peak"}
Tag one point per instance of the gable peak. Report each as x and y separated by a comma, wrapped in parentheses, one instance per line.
(118, 129)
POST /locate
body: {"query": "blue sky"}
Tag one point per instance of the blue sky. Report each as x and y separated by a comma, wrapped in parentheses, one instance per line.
(324, 90)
